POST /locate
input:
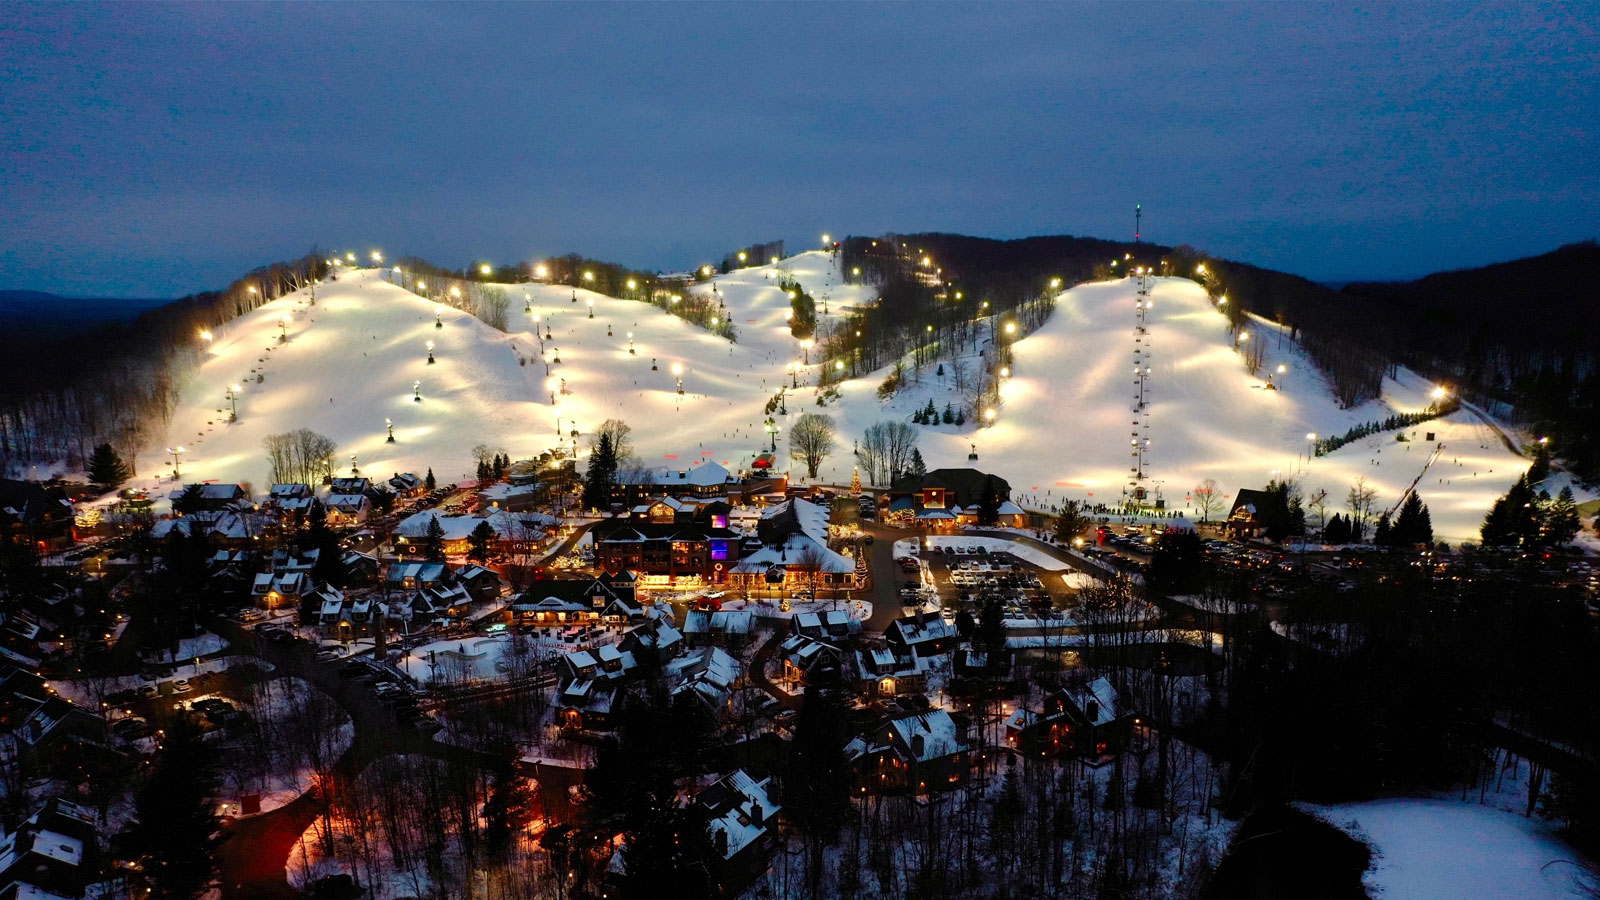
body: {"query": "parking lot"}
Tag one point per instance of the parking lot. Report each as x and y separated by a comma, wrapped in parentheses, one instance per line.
(969, 577)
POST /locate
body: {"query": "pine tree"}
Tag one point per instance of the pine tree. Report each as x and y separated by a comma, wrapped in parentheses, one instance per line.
(433, 541)
(918, 467)
(1383, 535)
(948, 417)
(106, 468)
(479, 542)
(989, 502)
(1562, 522)
(1071, 522)
(429, 482)
(329, 567)
(601, 475)
(175, 815)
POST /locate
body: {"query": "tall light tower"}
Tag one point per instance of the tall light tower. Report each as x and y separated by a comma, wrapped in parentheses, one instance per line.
(1138, 213)
(1139, 435)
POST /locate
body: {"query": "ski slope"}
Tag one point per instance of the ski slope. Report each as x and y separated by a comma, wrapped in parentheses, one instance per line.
(1061, 431)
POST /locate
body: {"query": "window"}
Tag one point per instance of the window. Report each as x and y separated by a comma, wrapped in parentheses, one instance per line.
(719, 549)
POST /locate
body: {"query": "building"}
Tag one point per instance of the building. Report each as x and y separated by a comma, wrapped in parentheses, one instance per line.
(1244, 517)
(794, 557)
(513, 533)
(663, 555)
(922, 635)
(1090, 720)
(730, 628)
(53, 854)
(741, 818)
(707, 479)
(578, 601)
(919, 752)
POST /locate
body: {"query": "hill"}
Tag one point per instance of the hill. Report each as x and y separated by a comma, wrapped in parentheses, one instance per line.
(351, 359)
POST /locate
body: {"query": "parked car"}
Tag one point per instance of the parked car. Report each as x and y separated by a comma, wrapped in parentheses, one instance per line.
(149, 691)
(324, 656)
(181, 686)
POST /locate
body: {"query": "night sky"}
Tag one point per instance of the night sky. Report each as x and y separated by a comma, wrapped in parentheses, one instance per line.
(158, 150)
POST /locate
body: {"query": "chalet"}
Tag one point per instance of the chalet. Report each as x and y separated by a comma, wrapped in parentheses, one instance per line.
(1244, 517)
(590, 681)
(1089, 720)
(194, 498)
(483, 584)
(924, 634)
(653, 636)
(414, 576)
(513, 532)
(834, 626)
(885, 672)
(270, 591)
(794, 556)
(405, 484)
(230, 530)
(567, 601)
(708, 479)
(347, 509)
(35, 514)
(511, 496)
(355, 484)
(290, 499)
(729, 628)
(741, 819)
(804, 658)
(708, 676)
(53, 854)
(918, 752)
(664, 555)
(1007, 515)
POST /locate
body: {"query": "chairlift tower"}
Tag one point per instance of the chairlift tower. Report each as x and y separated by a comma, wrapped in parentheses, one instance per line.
(1139, 430)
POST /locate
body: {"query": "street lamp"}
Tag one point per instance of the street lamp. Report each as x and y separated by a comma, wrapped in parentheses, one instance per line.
(205, 335)
(677, 372)
(806, 345)
(541, 271)
(988, 416)
(389, 424)
(631, 351)
(377, 257)
(416, 391)
(1311, 445)
(430, 353)
(588, 276)
(233, 403)
(772, 429)
(484, 269)
(176, 452)
(438, 317)
(794, 375)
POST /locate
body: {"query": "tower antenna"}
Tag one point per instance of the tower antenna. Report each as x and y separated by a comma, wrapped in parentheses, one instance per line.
(1138, 212)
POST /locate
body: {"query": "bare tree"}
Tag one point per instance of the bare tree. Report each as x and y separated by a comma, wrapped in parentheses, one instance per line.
(1319, 502)
(812, 440)
(301, 456)
(620, 441)
(886, 450)
(1206, 498)
(1359, 501)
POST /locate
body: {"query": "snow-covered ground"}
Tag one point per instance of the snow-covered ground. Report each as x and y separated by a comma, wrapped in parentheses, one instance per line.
(1061, 432)
(1031, 555)
(1428, 849)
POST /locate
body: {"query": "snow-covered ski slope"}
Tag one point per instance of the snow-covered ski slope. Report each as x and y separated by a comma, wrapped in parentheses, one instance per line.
(1062, 429)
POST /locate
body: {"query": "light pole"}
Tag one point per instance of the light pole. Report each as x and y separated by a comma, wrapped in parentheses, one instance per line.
(677, 372)
(389, 424)
(430, 353)
(794, 375)
(783, 407)
(354, 469)
(283, 330)
(772, 429)
(233, 403)
(1311, 446)
(176, 452)
(590, 301)
(438, 317)
(631, 351)
(416, 391)
(806, 345)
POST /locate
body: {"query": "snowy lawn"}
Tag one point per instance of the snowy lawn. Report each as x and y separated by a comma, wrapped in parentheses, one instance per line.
(1448, 850)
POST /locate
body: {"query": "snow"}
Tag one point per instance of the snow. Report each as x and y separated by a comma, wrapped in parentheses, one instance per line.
(350, 362)
(1445, 850)
(1030, 555)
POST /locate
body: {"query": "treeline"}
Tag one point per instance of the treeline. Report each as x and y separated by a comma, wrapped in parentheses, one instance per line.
(118, 383)
(753, 255)
(1324, 446)
(1518, 334)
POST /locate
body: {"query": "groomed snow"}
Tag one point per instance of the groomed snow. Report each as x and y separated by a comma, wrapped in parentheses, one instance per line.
(1061, 432)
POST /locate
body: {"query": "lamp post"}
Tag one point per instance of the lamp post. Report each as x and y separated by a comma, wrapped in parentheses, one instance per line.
(1311, 446)
(806, 345)
(677, 372)
(354, 468)
(233, 403)
(772, 429)
(438, 317)
(590, 301)
(176, 452)
(416, 391)
(783, 406)
(283, 330)
(389, 424)
(631, 351)
(430, 353)
(794, 375)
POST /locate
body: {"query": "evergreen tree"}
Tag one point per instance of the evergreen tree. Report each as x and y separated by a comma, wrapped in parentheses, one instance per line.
(429, 482)
(961, 417)
(106, 468)
(329, 567)
(601, 475)
(433, 541)
(989, 502)
(1071, 522)
(479, 542)
(175, 815)
(918, 467)
(483, 470)
(1414, 525)
(948, 417)
(1561, 518)
(1383, 535)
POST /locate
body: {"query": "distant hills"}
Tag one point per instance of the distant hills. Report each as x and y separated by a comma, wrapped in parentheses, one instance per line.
(45, 311)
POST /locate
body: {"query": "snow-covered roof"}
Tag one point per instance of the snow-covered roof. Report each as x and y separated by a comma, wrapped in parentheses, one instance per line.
(739, 809)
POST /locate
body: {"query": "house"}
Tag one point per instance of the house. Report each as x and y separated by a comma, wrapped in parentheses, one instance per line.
(919, 752)
(406, 484)
(511, 496)
(804, 659)
(657, 636)
(794, 556)
(567, 601)
(590, 681)
(729, 628)
(355, 484)
(483, 584)
(36, 514)
(665, 555)
(708, 479)
(270, 591)
(512, 532)
(741, 819)
(290, 499)
(38, 725)
(708, 676)
(834, 626)
(1090, 720)
(413, 576)
(52, 854)
(1007, 515)
(884, 672)
(924, 634)
(347, 509)
(194, 498)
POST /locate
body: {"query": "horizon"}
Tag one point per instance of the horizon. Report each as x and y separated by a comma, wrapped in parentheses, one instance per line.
(223, 138)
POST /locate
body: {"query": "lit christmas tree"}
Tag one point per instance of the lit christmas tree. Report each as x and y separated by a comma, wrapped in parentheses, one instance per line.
(855, 483)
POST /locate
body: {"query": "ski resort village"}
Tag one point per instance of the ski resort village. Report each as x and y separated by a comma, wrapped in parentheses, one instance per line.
(891, 568)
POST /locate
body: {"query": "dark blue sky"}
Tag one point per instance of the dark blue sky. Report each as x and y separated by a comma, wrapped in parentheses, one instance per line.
(156, 150)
